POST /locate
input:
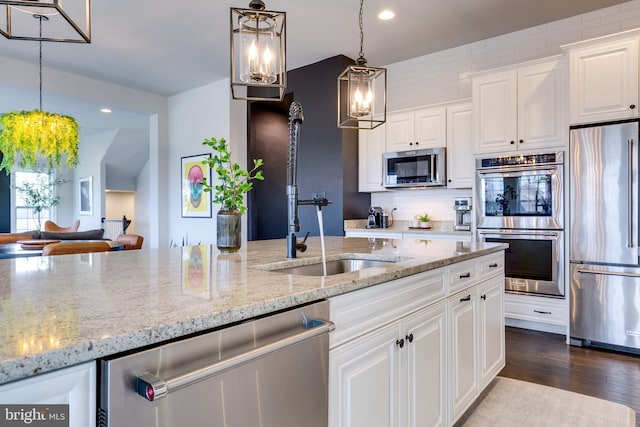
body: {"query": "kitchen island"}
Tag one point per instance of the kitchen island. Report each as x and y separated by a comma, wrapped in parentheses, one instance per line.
(61, 311)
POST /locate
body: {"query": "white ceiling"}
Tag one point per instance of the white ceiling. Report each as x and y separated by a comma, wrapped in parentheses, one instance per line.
(167, 47)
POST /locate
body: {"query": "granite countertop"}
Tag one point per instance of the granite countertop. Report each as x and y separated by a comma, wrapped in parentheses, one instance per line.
(401, 226)
(63, 310)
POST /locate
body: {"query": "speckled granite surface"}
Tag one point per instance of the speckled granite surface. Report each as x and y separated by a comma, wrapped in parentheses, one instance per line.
(63, 310)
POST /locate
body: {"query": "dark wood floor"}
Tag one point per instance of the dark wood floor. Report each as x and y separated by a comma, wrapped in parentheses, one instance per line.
(544, 358)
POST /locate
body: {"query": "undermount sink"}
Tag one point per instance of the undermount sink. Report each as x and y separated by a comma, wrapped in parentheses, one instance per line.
(348, 264)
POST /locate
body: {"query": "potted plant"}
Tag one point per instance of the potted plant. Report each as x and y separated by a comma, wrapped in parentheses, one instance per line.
(424, 220)
(229, 192)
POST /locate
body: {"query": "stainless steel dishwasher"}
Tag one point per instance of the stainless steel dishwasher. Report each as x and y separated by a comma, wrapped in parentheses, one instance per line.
(267, 372)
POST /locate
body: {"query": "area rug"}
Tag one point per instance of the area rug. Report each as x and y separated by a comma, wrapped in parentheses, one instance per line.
(507, 403)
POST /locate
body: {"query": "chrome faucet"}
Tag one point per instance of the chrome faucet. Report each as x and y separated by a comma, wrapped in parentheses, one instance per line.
(295, 120)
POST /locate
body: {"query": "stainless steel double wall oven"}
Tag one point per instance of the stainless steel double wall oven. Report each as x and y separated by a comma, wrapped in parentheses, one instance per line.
(520, 202)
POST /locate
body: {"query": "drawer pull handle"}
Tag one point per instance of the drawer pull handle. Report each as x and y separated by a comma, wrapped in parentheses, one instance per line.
(467, 298)
(409, 338)
(494, 265)
(542, 312)
(400, 343)
(465, 275)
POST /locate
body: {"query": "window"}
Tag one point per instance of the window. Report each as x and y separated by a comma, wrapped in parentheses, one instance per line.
(30, 189)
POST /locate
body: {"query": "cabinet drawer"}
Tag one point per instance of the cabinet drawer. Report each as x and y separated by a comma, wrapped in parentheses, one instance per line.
(491, 265)
(462, 275)
(535, 309)
(359, 312)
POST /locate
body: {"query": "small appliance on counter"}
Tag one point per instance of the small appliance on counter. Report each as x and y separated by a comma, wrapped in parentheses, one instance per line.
(375, 217)
(462, 206)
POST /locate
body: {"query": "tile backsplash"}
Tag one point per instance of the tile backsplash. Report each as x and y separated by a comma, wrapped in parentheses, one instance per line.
(438, 203)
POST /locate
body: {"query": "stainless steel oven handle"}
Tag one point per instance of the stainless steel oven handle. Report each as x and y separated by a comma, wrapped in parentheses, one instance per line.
(518, 169)
(630, 193)
(433, 168)
(153, 388)
(608, 273)
(516, 233)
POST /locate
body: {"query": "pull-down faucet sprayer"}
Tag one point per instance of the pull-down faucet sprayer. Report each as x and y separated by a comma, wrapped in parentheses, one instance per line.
(295, 120)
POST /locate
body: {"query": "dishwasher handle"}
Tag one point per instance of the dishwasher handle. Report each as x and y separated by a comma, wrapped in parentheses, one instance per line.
(153, 388)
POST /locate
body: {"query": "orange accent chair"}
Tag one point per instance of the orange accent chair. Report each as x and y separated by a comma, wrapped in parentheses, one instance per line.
(52, 226)
(75, 248)
(14, 237)
(130, 241)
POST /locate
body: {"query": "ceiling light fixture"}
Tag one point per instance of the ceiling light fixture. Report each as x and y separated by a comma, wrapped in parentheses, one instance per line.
(258, 57)
(105, 110)
(29, 137)
(362, 92)
(386, 15)
(71, 23)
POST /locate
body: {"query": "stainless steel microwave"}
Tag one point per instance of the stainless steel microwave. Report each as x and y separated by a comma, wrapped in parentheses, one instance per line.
(415, 168)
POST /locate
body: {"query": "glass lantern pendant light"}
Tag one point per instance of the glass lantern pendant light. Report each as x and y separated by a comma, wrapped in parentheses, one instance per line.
(70, 22)
(258, 42)
(362, 93)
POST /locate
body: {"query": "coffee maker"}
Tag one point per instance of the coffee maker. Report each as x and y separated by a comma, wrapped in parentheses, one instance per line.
(462, 206)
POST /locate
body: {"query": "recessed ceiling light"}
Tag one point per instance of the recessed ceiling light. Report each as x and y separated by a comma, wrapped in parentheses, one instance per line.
(386, 15)
(105, 110)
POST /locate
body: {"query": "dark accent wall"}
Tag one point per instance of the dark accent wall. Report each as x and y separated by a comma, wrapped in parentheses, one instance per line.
(5, 201)
(327, 156)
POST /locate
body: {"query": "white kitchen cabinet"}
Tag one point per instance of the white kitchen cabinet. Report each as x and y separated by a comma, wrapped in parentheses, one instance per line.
(75, 386)
(463, 351)
(392, 376)
(491, 324)
(520, 109)
(416, 129)
(460, 167)
(371, 145)
(603, 80)
(537, 313)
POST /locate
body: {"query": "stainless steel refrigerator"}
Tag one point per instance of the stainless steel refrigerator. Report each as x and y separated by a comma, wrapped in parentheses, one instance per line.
(603, 211)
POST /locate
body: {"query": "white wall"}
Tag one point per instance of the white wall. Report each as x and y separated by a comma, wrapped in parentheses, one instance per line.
(443, 76)
(119, 203)
(143, 212)
(193, 116)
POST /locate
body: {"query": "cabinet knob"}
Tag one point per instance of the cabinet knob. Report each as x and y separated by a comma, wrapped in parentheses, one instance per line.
(521, 141)
(411, 143)
(483, 297)
(400, 343)
(632, 106)
(512, 142)
(409, 338)
(449, 180)
(417, 143)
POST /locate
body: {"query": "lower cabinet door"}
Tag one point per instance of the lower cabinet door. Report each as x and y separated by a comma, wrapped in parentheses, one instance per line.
(363, 377)
(463, 355)
(491, 310)
(424, 387)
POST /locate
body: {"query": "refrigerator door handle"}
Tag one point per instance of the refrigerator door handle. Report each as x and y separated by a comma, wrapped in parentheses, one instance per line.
(630, 193)
(608, 273)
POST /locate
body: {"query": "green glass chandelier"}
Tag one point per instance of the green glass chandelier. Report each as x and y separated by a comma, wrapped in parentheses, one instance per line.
(30, 138)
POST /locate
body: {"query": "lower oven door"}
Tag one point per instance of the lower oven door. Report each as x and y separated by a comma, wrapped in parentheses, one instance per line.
(532, 262)
(268, 372)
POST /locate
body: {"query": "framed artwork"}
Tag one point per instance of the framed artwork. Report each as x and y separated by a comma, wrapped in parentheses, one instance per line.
(196, 278)
(196, 203)
(86, 195)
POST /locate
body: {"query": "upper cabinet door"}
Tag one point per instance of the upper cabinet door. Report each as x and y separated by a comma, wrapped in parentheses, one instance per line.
(495, 104)
(371, 145)
(430, 128)
(400, 131)
(603, 81)
(460, 167)
(541, 105)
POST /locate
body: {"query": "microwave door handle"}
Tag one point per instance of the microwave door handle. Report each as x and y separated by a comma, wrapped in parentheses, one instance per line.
(433, 167)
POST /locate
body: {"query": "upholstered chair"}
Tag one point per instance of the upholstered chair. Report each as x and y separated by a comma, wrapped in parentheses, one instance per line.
(75, 248)
(130, 241)
(52, 226)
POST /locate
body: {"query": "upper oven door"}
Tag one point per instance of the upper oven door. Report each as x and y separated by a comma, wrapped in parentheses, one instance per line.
(523, 197)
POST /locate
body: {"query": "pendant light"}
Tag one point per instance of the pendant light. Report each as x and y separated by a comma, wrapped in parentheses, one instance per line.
(29, 137)
(258, 57)
(69, 23)
(362, 92)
